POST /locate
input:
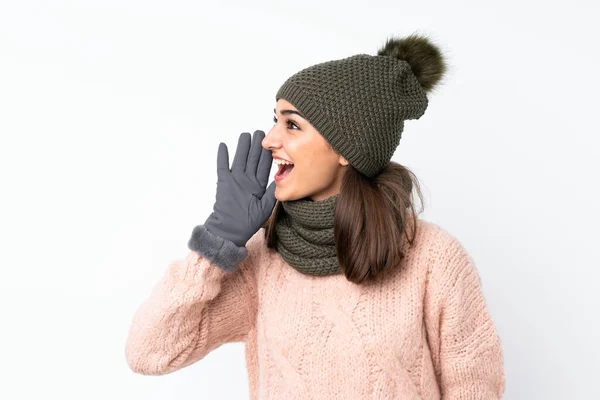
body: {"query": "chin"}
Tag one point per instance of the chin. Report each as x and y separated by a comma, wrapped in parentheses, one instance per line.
(282, 194)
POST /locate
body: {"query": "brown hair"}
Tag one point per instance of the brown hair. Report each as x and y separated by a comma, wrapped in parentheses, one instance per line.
(371, 217)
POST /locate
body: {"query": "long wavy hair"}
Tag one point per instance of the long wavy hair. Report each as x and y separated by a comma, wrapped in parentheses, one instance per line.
(373, 218)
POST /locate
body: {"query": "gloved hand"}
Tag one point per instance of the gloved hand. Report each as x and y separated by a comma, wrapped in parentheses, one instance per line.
(243, 201)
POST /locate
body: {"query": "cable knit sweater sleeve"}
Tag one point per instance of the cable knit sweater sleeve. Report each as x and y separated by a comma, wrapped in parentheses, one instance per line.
(195, 308)
(465, 346)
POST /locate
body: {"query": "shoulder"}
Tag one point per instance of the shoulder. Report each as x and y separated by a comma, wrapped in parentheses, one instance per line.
(257, 244)
(440, 241)
(447, 256)
(257, 251)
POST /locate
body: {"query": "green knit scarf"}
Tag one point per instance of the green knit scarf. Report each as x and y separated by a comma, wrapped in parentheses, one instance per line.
(305, 236)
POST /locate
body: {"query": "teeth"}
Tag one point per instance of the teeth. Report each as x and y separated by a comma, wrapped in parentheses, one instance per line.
(284, 162)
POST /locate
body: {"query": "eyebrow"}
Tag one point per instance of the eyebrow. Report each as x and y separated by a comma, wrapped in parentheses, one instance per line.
(284, 112)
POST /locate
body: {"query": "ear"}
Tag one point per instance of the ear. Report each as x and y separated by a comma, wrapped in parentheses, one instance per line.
(343, 161)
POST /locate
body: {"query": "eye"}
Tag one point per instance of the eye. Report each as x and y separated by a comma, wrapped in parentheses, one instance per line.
(289, 122)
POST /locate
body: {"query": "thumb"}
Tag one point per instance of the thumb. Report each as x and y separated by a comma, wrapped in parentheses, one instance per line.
(268, 200)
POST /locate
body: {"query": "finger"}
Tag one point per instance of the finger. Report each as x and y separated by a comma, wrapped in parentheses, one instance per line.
(255, 152)
(241, 154)
(222, 159)
(268, 200)
(264, 167)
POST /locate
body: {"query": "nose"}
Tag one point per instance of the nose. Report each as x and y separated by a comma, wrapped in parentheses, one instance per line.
(271, 140)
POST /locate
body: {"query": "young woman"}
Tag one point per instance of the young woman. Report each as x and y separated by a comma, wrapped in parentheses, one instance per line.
(337, 288)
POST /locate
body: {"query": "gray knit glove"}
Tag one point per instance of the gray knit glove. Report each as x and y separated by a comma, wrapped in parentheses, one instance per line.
(243, 202)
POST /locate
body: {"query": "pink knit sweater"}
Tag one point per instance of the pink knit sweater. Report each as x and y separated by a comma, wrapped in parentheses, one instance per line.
(420, 331)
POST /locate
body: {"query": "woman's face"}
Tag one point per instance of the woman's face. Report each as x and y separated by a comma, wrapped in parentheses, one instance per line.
(317, 169)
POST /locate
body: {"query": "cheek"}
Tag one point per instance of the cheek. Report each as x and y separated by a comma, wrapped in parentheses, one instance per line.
(316, 163)
(319, 168)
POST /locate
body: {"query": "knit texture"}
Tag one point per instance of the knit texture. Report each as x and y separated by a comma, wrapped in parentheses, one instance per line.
(305, 236)
(418, 331)
(359, 105)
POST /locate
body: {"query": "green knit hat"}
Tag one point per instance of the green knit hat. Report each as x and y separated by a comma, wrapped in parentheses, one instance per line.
(359, 103)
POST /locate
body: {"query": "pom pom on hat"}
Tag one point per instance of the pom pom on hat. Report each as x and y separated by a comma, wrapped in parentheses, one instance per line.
(425, 58)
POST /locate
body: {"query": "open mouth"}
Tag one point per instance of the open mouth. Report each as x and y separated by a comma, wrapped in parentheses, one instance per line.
(285, 169)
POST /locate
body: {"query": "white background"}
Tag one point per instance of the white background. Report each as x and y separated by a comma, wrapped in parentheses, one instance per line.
(111, 113)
